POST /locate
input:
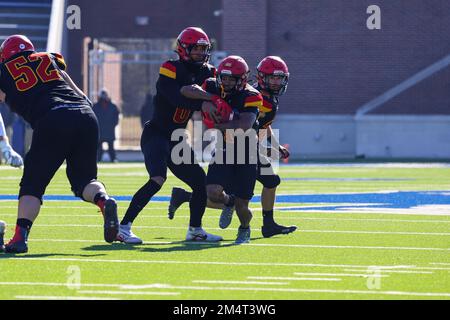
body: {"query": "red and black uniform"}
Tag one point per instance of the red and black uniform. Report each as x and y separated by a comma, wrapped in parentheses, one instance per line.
(240, 174)
(267, 113)
(65, 127)
(172, 112)
(33, 86)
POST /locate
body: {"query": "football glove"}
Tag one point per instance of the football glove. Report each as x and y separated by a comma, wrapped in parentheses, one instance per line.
(11, 157)
(223, 112)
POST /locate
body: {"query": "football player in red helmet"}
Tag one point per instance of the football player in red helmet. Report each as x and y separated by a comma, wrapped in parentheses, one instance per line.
(172, 111)
(64, 129)
(232, 86)
(273, 78)
(193, 46)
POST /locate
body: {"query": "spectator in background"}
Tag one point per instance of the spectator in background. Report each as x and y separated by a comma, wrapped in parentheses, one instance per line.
(147, 109)
(108, 118)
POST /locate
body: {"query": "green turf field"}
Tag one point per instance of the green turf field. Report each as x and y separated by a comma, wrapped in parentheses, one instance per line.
(360, 237)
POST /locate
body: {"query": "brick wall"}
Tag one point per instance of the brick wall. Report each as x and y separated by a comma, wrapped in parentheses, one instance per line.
(116, 19)
(244, 29)
(336, 63)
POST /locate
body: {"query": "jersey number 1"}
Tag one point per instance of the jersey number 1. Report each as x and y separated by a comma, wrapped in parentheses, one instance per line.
(24, 75)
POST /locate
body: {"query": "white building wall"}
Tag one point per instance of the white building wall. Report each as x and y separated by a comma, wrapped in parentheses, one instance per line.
(403, 136)
(315, 136)
(380, 136)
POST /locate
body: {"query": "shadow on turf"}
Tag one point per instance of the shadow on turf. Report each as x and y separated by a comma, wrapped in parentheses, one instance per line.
(45, 255)
(172, 246)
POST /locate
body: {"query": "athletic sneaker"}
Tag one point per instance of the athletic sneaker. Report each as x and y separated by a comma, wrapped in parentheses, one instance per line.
(226, 216)
(179, 196)
(273, 229)
(227, 213)
(18, 244)
(111, 221)
(243, 236)
(127, 236)
(198, 234)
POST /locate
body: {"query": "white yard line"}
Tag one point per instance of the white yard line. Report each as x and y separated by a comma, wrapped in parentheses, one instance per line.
(296, 290)
(61, 298)
(206, 288)
(211, 263)
(339, 274)
(393, 271)
(144, 293)
(273, 245)
(280, 215)
(295, 279)
(239, 282)
(234, 229)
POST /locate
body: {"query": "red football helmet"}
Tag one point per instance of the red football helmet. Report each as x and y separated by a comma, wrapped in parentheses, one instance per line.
(189, 38)
(272, 66)
(13, 45)
(236, 67)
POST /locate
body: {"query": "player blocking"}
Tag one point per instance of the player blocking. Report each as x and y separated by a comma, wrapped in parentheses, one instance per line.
(36, 86)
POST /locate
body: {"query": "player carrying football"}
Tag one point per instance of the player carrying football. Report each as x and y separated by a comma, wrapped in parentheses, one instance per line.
(172, 112)
(273, 77)
(64, 129)
(239, 173)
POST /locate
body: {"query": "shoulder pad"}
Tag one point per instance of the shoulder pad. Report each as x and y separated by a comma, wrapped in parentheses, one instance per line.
(168, 69)
(266, 106)
(253, 98)
(59, 60)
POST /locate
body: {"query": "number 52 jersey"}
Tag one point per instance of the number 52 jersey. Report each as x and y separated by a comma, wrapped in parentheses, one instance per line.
(33, 86)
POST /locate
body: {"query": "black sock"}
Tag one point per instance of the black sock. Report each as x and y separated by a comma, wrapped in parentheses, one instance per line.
(268, 217)
(99, 199)
(24, 223)
(140, 200)
(101, 196)
(197, 206)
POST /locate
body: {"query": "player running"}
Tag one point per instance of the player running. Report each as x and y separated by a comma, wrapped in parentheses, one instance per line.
(172, 112)
(64, 129)
(273, 77)
(239, 173)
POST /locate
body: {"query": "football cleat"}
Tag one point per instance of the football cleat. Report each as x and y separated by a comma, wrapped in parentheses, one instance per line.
(127, 236)
(226, 216)
(271, 230)
(111, 221)
(18, 244)
(198, 234)
(179, 196)
(243, 236)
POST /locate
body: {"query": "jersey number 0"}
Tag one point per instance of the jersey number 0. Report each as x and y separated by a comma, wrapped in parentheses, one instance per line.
(25, 77)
